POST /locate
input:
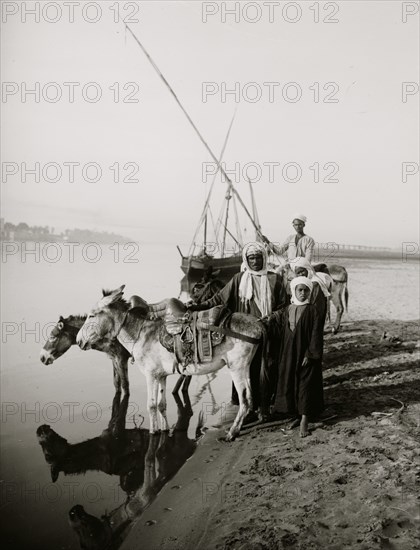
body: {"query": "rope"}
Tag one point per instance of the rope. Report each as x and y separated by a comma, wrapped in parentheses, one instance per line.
(230, 184)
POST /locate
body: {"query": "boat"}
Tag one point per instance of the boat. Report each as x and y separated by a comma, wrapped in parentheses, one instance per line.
(221, 256)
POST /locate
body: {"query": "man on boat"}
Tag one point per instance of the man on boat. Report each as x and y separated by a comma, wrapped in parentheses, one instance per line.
(297, 245)
(255, 291)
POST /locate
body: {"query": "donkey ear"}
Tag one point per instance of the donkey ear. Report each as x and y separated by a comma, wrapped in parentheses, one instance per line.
(60, 325)
(117, 293)
(111, 297)
(61, 318)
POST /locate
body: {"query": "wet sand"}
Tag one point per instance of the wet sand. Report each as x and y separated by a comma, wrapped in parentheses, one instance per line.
(352, 483)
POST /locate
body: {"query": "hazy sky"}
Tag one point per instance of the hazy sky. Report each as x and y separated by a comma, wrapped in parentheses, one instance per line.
(365, 136)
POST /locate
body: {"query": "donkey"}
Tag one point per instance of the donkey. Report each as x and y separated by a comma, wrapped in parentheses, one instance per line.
(117, 451)
(63, 336)
(148, 462)
(111, 318)
(339, 292)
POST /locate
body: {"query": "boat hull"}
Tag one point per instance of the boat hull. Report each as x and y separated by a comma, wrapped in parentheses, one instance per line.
(195, 267)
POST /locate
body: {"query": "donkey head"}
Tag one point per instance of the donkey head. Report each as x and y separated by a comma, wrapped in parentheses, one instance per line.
(61, 338)
(105, 320)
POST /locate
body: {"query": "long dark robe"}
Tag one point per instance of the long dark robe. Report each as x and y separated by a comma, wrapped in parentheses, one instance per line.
(299, 388)
(229, 296)
(320, 302)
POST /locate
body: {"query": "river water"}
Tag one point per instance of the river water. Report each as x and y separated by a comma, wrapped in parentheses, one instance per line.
(74, 396)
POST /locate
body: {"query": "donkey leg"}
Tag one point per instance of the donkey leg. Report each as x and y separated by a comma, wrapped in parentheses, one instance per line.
(116, 376)
(122, 368)
(243, 387)
(124, 377)
(178, 384)
(337, 323)
(152, 394)
(338, 304)
(186, 384)
(164, 426)
(339, 312)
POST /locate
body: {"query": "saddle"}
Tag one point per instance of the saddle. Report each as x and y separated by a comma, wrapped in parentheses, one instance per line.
(191, 336)
(141, 309)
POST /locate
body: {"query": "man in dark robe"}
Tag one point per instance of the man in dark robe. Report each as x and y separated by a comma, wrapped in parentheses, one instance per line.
(254, 291)
(299, 375)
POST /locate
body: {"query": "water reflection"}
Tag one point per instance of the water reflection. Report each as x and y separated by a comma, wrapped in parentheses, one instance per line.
(143, 462)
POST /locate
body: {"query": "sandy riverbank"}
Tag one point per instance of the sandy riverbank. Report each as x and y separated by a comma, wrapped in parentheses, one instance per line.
(353, 483)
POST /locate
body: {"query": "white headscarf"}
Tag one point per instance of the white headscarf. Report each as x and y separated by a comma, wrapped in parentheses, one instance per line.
(262, 296)
(300, 217)
(322, 279)
(300, 281)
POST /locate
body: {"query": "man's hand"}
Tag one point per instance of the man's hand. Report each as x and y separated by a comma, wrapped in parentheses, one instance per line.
(265, 240)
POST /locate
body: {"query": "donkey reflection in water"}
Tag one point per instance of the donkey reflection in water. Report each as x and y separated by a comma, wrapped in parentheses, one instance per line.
(112, 318)
(144, 463)
(63, 336)
(116, 451)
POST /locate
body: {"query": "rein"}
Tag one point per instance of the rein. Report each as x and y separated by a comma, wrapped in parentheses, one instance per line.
(233, 334)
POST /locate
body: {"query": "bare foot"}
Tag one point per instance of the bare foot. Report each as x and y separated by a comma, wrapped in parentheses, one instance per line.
(304, 426)
(294, 424)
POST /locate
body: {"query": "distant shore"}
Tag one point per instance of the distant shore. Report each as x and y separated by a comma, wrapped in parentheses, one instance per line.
(407, 253)
(369, 254)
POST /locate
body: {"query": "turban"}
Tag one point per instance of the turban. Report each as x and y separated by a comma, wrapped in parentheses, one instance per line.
(300, 217)
(301, 262)
(300, 281)
(253, 248)
(254, 284)
(322, 279)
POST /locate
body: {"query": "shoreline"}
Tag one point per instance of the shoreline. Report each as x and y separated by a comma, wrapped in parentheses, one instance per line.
(352, 483)
(179, 517)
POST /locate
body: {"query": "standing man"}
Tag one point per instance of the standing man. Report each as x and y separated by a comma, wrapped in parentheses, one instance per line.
(255, 291)
(297, 245)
